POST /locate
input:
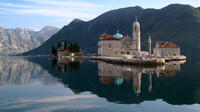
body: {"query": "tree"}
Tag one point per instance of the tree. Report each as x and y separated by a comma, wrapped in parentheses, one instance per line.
(74, 47)
(71, 47)
(77, 47)
(59, 45)
(127, 52)
(53, 50)
(65, 45)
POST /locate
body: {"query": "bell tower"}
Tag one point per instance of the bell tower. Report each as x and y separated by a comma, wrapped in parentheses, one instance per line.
(149, 44)
(136, 36)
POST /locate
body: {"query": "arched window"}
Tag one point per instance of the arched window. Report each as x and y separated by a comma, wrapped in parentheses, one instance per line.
(109, 45)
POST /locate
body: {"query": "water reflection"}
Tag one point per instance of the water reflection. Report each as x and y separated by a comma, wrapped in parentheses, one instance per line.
(67, 63)
(110, 73)
(19, 71)
(128, 84)
(115, 83)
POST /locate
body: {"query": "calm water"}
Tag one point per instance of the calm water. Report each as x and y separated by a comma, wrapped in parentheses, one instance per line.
(42, 85)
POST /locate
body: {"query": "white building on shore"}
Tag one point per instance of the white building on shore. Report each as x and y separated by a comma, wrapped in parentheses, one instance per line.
(113, 45)
(166, 49)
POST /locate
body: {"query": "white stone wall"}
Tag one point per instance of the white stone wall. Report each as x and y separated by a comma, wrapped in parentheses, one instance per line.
(116, 47)
(127, 45)
(167, 52)
(109, 47)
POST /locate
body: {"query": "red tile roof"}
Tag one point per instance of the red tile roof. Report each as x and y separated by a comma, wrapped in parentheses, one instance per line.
(167, 45)
(66, 50)
(106, 36)
(168, 73)
(106, 80)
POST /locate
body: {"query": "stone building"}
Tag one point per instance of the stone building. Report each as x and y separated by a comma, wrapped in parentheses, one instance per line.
(62, 52)
(166, 49)
(113, 45)
(116, 45)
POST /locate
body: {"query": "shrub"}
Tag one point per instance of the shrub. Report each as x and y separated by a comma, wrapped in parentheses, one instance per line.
(127, 52)
(122, 52)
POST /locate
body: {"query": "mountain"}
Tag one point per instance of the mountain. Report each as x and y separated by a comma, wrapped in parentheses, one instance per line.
(15, 41)
(176, 23)
(19, 71)
(46, 32)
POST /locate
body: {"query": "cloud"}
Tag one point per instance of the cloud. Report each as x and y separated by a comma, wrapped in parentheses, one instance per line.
(55, 12)
(72, 102)
(64, 3)
(52, 8)
(57, 99)
(36, 100)
(14, 5)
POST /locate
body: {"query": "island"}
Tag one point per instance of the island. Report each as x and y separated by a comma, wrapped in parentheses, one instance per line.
(64, 51)
(127, 50)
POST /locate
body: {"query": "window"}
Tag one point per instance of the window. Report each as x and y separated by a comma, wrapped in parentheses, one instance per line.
(109, 45)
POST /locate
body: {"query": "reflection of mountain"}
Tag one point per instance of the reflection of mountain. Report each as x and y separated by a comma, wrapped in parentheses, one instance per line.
(129, 85)
(20, 71)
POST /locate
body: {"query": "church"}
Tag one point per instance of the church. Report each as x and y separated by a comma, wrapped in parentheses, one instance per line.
(114, 45)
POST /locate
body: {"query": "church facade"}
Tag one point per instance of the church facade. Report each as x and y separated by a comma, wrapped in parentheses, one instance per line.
(114, 45)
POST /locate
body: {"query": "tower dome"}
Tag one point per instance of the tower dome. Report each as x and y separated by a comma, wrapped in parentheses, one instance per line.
(118, 81)
(136, 23)
(118, 35)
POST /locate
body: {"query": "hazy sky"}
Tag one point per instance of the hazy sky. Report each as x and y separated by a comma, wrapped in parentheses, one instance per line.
(36, 14)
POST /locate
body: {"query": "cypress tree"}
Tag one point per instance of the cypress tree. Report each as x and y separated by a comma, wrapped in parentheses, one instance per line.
(74, 47)
(72, 44)
(78, 47)
(59, 45)
(71, 47)
(65, 45)
(53, 50)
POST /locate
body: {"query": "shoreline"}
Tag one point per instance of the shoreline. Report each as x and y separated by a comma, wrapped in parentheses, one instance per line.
(133, 62)
(137, 61)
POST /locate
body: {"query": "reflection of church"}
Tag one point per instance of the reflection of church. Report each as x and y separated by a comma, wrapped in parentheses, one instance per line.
(117, 74)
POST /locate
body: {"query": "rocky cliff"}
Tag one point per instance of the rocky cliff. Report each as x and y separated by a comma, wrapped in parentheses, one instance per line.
(15, 41)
